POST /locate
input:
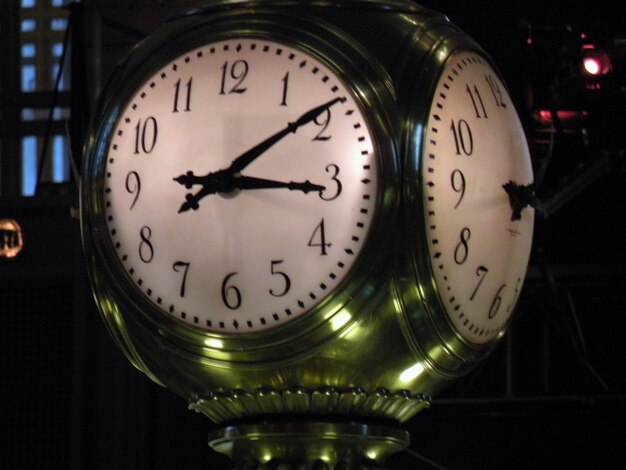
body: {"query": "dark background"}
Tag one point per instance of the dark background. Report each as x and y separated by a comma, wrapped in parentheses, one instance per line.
(552, 395)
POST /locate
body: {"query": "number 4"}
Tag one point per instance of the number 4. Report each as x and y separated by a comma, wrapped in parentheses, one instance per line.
(318, 239)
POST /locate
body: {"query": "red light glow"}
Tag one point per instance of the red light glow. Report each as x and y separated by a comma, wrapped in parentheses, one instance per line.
(592, 66)
(568, 118)
(595, 62)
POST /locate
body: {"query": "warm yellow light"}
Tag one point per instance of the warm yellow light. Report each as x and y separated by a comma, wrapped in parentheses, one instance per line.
(214, 343)
(11, 240)
(340, 320)
(412, 373)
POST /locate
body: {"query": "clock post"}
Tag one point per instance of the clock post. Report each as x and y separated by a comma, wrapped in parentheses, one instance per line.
(357, 211)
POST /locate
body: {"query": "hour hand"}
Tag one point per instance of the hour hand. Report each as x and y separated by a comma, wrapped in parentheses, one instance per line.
(225, 182)
(219, 182)
(521, 196)
(189, 179)
(250, 182)
(192, 201)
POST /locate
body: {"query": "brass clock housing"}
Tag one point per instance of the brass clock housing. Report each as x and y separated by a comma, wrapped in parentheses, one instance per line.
(382, 341)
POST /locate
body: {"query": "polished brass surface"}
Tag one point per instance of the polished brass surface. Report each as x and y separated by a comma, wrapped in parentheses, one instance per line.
(325, 401)
(304, 444)
(380, 345)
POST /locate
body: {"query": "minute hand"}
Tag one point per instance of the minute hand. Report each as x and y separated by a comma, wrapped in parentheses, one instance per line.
(249, 156)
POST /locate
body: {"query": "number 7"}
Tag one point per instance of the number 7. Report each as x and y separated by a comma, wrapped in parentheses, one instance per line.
(177, 266)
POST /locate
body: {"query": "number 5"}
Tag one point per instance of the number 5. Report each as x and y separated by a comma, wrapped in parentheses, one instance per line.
(286, 279)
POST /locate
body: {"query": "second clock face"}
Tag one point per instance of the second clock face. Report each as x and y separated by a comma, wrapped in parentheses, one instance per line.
(475, 163)
(240, 184)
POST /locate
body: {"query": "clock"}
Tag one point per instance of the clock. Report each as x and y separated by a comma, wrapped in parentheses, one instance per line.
(286, 214)
(471, 171)
(235, 178)
(241, 182)
(474, 149)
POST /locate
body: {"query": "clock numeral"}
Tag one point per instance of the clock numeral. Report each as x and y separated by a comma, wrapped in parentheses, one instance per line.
(481, 272)
(231, 295)
(186, 92)
(237, 72)
(133, 186)
(461, 251)
(495, 304)
(515, 295)
(318, 239)
(495, 90)
(285, 81)
(146, 249)
(463, 140)
(283, 275)
(323, 122)
(181, 266)
(146, 133)
(338, 186)
(477, 102)
(457, 181)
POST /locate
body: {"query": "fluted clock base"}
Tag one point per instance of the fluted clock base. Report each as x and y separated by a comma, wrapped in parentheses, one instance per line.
(305, 445)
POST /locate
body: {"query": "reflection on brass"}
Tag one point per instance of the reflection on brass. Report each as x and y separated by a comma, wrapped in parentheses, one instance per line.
(304, 444)
(11, 238)
(378, 345)
(382, 403)
(371, 352)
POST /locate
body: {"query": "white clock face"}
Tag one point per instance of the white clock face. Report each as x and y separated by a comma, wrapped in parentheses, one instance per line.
(240, 185)
(478, 243)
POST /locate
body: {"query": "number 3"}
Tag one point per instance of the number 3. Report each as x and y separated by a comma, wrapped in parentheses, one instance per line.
(335, 169)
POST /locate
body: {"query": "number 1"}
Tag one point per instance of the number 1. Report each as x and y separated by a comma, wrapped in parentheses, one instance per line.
(285, 81)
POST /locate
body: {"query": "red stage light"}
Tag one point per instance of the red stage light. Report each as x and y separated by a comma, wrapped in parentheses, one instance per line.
(592, 66)
(595, 62)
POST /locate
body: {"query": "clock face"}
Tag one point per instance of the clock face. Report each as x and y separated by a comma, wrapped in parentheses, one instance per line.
(476, 168)
(240, 183)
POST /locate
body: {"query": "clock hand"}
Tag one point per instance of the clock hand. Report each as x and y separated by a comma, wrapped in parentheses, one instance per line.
(224, 182)
(191, 200)
(521, 196)
(221, 181)
(249, 156)
(248, 182)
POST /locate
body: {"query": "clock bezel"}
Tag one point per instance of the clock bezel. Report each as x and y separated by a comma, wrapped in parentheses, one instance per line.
(130, 306)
